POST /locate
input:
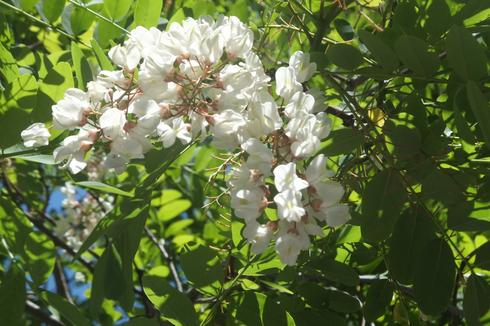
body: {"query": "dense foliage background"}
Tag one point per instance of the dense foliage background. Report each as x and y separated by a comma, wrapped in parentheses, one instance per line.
(407, 87)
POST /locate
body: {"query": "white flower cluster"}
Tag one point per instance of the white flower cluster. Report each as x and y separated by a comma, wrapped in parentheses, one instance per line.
(305, 195)
(81, 217)
(201, 77)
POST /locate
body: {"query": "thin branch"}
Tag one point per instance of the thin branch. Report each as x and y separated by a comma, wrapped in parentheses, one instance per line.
(37, 312)
(168, 258)
(61, 283)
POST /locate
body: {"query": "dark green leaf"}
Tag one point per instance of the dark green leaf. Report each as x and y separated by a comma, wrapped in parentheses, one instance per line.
(476, 299)
(439, 18)
(342, 302)
(433, 286)
(202, 266)
(69, 311)
(465, 55)
(415, 55)
(345, 56)
(412, 232)
(382, 201)
(378, 298)
(482, 254)
(12, 297)
(381, 52)
(173, 305)
(342, 141)
(344, 29)
(338, 272)
(480, 108)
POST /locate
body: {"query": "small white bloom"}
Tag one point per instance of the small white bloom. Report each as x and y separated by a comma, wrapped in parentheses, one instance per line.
(317, 170)
(226, 128)
(260, 156)
(247, 203)
(337, 215)
(172, 129)
(96, 91)
(289, 206)
(73, 149)
(286, 83)
(237, 37)
(35, 135)
(299, 102)
(285, 178)
(70, 112)
(289, 246)
(303, 69)
(112, 122)
(125, 56)
(259, 236)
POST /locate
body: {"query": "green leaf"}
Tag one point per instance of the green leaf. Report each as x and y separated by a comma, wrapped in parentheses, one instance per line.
(342, 302)
(342, 141)
(412, 232)
(117, 9)
(344, 29)
(338, 272)
(104, 61)
(415, 55)
(173, 305)
(69, 311)
(476, 299)
(433, 286)
(382, 201)
(465, 55)
(345, 56)
(381, 52)
(104, 188)
(173, 209)
(8, 66)
(405, 139)
(12, 297)
(147, 12)
(378, 297)
(201, 266)
(108, 278)
(439, 18)
(41, 256)
(109, 222)
(480, 108)
(177, 17)
(79, 19)
(482, 254)
(52, 9)
(81, 66)
(142, 321)
(52, 89)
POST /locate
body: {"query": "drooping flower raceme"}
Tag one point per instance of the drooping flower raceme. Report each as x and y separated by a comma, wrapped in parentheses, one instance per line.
(200, 78)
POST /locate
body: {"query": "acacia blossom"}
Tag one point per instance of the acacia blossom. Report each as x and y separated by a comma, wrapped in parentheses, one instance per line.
(201, 78)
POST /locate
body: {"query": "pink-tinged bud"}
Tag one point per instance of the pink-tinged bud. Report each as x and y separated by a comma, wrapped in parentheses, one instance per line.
(311, 190)
(266, 191)
(304, 218)
(316, 205)
(293, 230)
(219, 84)
(180, 90)
(188, 126)
(256, 174)
(264, 203)
(165, 111)
(273, 225)
(83, 121)
(210, 119)
(123, 104)
(85, 146)
(128, 126)
(93, 135)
